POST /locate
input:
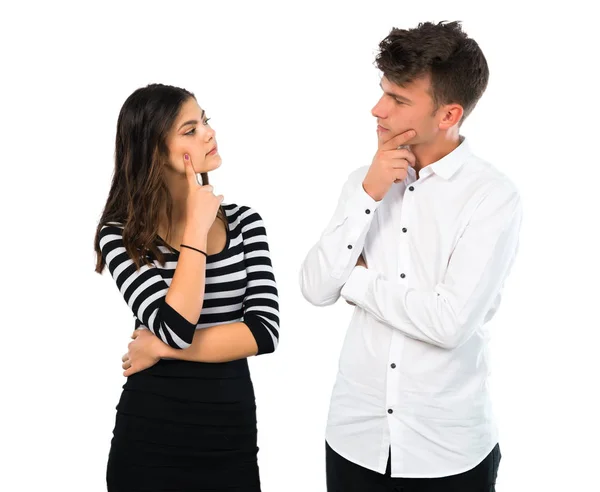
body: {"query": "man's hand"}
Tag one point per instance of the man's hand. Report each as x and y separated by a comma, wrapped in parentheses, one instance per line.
(390, 165)
(360, 262)
(144, 351)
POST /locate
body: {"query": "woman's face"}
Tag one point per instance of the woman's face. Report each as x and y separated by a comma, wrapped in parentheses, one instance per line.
(191, 134)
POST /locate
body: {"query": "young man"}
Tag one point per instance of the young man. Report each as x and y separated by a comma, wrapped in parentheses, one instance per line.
(421, 243)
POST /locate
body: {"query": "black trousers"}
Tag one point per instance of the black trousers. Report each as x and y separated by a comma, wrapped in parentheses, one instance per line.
(345, 476)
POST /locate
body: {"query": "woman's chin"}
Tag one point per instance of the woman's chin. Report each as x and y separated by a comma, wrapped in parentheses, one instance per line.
(211, 163)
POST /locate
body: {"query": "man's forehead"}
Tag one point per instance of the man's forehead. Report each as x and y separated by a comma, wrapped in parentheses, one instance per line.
(419, 83)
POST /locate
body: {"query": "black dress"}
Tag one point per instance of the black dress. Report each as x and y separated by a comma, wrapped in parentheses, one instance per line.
(184, 426)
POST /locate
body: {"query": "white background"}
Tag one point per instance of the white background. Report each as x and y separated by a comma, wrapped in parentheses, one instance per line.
(289, 87)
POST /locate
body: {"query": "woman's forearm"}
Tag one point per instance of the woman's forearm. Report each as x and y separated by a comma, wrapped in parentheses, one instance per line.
(186, 293)
(220, 343)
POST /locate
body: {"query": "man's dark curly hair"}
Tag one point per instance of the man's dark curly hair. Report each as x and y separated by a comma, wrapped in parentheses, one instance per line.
(458, 70)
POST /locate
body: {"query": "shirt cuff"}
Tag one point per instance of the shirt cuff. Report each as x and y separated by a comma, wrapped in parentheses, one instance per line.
(359, 212)
(355, 288)
(360, 202)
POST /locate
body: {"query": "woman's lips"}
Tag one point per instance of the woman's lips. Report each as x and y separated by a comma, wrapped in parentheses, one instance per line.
(212, 152)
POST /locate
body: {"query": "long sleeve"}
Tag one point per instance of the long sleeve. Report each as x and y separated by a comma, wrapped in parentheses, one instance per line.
(329, 263)
(447, 315)
(261, 302)
(144, 291)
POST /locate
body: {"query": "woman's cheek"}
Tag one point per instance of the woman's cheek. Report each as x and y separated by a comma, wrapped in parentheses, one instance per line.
(197, 160)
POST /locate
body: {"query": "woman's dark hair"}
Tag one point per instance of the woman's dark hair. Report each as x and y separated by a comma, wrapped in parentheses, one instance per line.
(458, 70)
(138, 194)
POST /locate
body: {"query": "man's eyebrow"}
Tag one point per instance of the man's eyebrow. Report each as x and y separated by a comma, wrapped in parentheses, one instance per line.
(391, 94)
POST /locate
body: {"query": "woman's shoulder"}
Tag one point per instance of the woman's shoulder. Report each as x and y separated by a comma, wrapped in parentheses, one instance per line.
(110, 237)
(111, 229)
(118, 225)
(236, 211)
(244, 216)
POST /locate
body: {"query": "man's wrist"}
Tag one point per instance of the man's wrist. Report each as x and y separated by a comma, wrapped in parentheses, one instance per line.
(369, 191)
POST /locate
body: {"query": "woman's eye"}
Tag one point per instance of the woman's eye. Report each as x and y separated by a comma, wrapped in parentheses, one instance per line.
(206, 121)
(191, 132)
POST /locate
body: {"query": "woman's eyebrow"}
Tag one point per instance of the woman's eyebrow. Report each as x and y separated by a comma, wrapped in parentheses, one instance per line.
(192, 122)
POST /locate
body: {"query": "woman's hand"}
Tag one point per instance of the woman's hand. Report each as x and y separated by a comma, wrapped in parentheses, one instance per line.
(144, 351)
(202, 203)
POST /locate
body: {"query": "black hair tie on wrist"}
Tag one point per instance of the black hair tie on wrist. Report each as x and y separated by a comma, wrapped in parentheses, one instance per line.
(195, 249)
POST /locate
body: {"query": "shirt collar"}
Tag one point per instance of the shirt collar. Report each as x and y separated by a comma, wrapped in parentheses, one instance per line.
(447, 166)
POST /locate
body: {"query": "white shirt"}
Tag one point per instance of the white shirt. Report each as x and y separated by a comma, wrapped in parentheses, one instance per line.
(414, 365)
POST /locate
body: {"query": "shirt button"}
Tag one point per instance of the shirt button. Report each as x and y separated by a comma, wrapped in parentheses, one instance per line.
(404, 229)
(349, 246)
(411, 188)
(390, 411)
(393, 366)
(402, 275)
(367, 211)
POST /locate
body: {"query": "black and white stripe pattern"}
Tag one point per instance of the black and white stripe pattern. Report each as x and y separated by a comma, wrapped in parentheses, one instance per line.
(240, 285)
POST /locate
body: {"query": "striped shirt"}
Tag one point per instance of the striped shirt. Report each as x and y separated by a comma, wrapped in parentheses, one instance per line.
(239, 287)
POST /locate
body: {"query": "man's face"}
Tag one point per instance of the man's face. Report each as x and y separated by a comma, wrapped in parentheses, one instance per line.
(407, 108)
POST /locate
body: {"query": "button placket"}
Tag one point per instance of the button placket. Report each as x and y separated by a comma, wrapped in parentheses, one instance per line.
(394, 374)
(404, 259)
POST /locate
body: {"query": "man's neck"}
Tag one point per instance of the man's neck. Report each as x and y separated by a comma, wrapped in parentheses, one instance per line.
(431, 152)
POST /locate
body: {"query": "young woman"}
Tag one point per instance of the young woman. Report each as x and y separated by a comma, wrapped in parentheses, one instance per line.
(197, 275)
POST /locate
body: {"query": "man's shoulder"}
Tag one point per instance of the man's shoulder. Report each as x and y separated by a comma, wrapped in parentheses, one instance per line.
(489, 175)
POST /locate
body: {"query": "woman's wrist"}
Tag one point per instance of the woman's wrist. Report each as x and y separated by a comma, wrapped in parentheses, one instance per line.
(195, 238)
(167, 352)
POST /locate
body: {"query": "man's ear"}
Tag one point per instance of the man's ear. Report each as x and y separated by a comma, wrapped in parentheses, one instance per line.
(451, 115)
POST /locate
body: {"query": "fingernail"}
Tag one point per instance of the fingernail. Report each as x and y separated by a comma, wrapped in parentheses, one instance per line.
(186, 157)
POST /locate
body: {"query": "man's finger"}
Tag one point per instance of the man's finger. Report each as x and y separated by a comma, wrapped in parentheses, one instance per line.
(398, 140)
(401, 172)
(400, 159)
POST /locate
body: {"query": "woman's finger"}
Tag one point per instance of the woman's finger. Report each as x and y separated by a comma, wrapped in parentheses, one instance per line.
(189, 171)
